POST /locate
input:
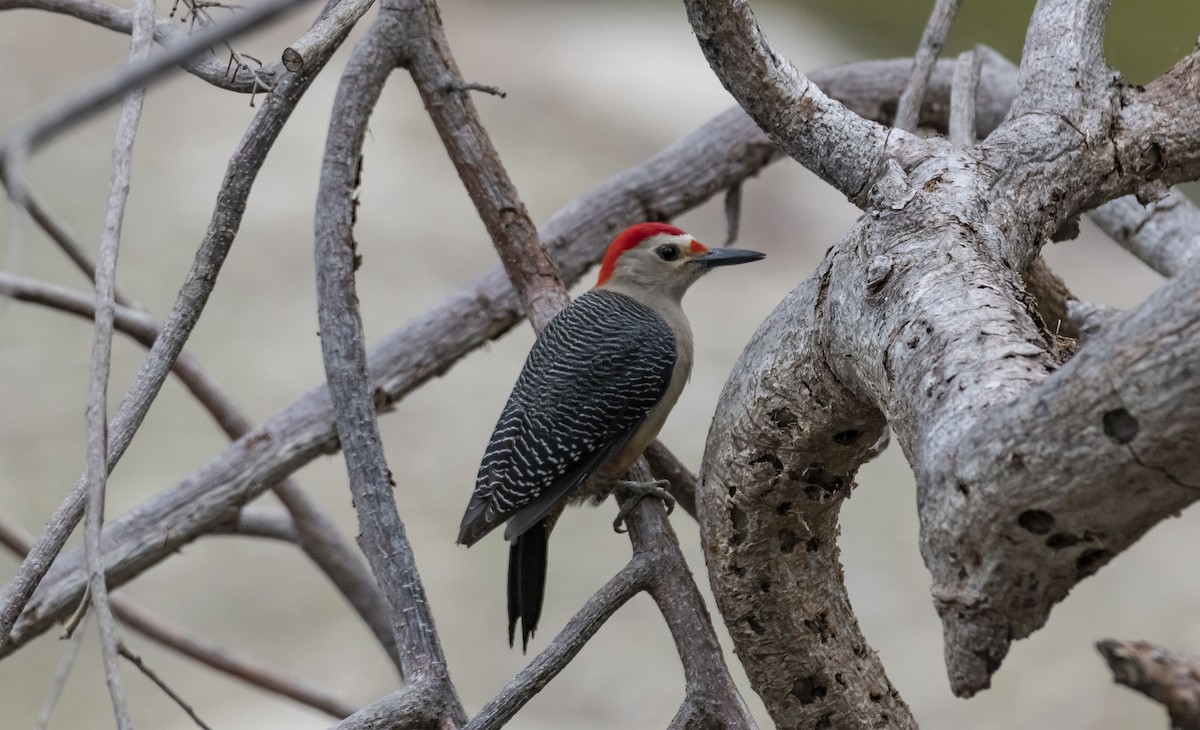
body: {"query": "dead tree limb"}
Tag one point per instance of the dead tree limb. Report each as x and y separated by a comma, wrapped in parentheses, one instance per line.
(382, 535)
(1170, 679)
(1024, 468)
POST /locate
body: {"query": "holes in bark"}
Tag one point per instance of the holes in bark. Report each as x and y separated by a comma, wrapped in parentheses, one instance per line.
(787, 540)
(1090, 560)
(819, 625)
(783, 508)
(739, 519)
(783, 418)
(819, 484)
(775, 462)
(824, 722)
(964, 488)
(755, 626)
(808, 690)
(765, 586)
(838, 678)
(812, 545)
(1120, 426)
(848, 436)
(1060, 540)
(1039, 522)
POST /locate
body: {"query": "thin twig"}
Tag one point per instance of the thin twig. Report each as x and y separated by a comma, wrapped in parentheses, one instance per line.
(932, 41)
(627, 583)
(99, 94)
(61, 673)
(96, 475)
(204, 65)
(962, 99)
(208, 653)
(136, 661)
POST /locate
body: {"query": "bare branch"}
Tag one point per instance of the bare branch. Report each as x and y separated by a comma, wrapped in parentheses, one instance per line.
(136, 661)
(336, 23)
(103, 92)
(243, 168)
(96, 474)
(382, 535)
(962, 99)
(1170, 679)
(626, 584)
(204, 64)
(208, 653)
(424, 51)
(308, 526)
(932, 41)
(1165, 234)
(841, 147)
(62, 672)
(194, 645)
(1062, 64)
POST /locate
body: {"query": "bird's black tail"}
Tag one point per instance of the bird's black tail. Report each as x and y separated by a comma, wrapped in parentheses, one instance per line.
(527, 581)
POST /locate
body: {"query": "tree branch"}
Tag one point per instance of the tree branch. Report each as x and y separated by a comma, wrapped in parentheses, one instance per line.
(600, 607)
(96, 474)
(1167, 678)
(382, 535)
(203, 64)
(105, 91)
(932, 41)
(838, 145)
(1165, 234)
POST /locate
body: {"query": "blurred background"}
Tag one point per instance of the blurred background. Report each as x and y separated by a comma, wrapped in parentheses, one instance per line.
(593, 88)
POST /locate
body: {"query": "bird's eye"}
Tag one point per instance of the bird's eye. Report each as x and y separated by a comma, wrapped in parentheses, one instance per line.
(667, 252)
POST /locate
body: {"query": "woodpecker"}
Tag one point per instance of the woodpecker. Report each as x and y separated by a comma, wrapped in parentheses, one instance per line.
(594, 392)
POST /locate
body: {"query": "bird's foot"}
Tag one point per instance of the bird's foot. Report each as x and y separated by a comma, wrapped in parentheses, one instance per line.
(638, 491)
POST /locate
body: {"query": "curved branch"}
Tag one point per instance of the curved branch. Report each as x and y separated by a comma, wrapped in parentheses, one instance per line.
(382, 535)
(841, 147)
(782, 452)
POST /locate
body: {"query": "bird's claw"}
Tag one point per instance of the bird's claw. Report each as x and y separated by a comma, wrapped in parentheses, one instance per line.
(638, 491)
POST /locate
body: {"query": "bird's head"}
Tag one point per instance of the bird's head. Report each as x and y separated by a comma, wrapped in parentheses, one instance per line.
(658, 256)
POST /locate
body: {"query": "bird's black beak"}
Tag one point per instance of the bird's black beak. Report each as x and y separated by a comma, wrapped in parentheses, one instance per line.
(726, 257)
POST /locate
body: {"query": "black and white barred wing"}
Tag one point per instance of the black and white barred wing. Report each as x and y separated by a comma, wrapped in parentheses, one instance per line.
(590, 379)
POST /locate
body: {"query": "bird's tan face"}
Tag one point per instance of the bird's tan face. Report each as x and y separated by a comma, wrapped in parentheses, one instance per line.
(671, 263)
